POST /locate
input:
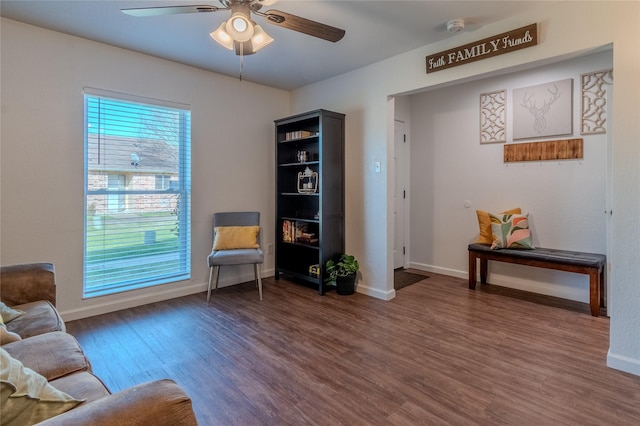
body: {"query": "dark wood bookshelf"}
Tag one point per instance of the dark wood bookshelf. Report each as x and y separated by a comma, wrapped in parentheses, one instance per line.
(319, 215)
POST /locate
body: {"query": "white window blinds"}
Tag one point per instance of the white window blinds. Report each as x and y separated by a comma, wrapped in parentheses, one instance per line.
(137, 193)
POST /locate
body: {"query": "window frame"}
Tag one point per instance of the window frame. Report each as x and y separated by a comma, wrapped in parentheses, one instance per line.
(182, 190)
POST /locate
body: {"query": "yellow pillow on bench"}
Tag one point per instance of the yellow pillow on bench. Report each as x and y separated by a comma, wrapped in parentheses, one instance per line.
(484, 222)
(236, 237)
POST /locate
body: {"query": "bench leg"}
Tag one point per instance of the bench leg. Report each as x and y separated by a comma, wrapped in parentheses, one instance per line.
(483, 270)
(472, 271)
(603, 287)
(594, 292)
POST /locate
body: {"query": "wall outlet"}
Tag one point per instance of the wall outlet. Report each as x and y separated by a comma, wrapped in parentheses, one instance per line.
(269, 248)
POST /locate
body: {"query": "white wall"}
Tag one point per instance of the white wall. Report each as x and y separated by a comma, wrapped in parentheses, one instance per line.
(565, 199)
(43, 74)
(565, 28)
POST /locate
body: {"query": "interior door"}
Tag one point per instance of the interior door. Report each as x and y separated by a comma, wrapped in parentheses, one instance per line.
(399, 194)
(609, 198)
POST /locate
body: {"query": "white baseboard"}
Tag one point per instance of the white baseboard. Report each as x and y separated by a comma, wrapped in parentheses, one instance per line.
(623, 363)
(152, 295)
(149, 295)
(516, 283)
(374, 292)
(438, 270)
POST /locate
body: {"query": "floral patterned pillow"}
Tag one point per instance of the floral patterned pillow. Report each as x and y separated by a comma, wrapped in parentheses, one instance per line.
(511, 231)
(484, 222)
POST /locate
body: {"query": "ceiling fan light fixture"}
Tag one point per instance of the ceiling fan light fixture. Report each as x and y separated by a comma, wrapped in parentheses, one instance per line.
(239, 32)
(240, 27)
(260, 38)
(222, 36)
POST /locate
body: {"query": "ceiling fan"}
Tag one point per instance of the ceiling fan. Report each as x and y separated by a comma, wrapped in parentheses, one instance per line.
(240, 32)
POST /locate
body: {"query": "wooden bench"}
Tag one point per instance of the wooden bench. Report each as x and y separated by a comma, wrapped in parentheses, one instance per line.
(591, 264)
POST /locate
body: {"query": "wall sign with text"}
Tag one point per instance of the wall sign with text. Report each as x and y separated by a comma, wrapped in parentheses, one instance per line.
(493, 46)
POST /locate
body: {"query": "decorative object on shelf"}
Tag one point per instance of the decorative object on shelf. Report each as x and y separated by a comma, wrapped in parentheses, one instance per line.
(594, 101)
(302, 156)
(314, 271)
(307, 181)
(493, 117)
(543, 110)
(343, 273)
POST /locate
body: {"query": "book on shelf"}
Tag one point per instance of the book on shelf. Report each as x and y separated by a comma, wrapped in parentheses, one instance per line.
(297, 232)
(304, 236)
(299, 134)
(288, 231)
(307, 238)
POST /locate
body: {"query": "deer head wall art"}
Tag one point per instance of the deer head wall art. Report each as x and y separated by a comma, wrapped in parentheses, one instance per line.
(543, 110)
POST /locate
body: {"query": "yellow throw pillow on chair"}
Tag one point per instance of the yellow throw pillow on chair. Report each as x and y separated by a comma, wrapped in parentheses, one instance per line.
(236, 237)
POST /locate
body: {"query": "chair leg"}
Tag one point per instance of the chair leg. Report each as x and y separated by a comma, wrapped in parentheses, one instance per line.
(217, 276)
(258, 279)
(209, 286)
(210, 278)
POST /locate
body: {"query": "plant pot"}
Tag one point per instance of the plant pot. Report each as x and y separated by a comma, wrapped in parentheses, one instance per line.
(346, 285)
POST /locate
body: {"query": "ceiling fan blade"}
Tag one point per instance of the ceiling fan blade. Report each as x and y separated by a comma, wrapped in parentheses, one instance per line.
(303, 25)
(170, 10)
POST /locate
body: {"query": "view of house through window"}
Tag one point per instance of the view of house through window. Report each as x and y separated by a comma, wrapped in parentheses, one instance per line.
(137, 193)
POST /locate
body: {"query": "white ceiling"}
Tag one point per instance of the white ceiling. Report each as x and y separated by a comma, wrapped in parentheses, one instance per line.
(375, 30)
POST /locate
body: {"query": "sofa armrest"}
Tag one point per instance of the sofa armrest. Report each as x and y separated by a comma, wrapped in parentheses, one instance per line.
(161, 402)
(20, 284)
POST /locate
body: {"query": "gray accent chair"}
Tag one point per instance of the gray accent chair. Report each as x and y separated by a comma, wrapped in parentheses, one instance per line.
(219, 258)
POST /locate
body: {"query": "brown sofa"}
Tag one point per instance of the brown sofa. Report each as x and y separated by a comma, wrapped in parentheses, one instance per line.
(49, 351)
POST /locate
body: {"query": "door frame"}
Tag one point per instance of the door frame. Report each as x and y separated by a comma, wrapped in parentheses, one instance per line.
(401, 174)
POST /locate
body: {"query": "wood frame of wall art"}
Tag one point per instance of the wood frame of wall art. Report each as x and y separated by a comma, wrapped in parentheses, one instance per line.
(493, 117)
(543, 110)
(594, 101)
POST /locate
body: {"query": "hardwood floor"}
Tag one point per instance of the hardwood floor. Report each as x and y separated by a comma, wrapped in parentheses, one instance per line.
(437, 354)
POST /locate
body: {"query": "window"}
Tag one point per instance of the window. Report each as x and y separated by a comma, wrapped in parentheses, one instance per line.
(162, 181)
(115, 201)
(137, 192)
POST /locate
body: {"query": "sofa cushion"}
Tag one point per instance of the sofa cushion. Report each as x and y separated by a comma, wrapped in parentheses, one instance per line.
(52, 355)
(39, 318)
(83, 385)
(161, 402)
(21, 284)
(26, 396)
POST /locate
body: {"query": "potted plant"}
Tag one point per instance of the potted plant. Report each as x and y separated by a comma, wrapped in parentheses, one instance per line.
(342, 273)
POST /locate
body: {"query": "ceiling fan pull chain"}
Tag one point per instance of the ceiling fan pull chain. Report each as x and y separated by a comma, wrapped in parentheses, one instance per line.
(241, 59)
